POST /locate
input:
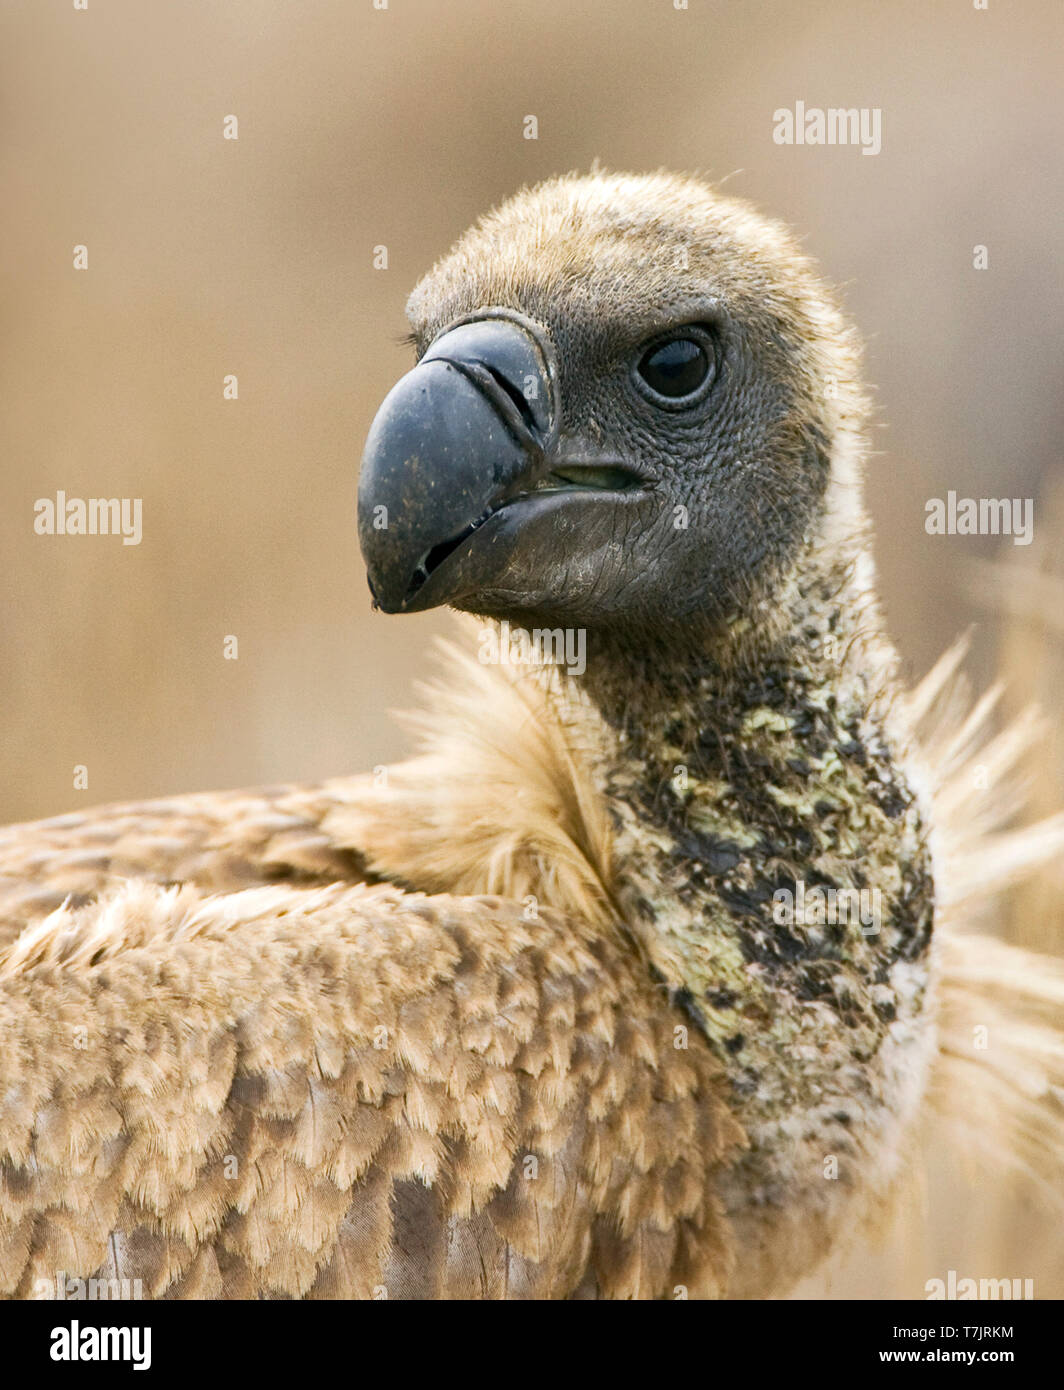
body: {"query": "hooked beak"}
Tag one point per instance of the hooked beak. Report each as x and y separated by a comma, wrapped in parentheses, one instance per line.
(461, 445)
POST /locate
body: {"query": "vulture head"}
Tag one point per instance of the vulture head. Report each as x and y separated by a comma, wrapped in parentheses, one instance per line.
(631, 402)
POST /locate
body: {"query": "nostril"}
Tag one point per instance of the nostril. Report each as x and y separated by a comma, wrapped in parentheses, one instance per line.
(518, 397)
(508, 401)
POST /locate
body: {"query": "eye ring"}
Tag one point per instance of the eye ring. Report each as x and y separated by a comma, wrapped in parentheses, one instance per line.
(676, 369)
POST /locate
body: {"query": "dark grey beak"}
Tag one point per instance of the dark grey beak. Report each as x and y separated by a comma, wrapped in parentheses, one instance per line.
(469, 429)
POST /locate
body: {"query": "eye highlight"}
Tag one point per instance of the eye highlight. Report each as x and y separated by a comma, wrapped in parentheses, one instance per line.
(678, 369)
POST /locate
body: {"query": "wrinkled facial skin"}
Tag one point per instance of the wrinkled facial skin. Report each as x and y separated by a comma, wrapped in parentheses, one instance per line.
(717, 493)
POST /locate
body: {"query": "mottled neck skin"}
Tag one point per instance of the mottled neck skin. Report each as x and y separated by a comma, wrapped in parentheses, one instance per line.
(732, 784)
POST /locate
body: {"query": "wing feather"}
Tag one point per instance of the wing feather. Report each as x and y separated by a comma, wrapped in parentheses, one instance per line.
(348, 1092)
(219, 840)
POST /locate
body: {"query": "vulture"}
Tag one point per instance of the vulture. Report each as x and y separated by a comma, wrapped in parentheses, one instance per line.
(650, 974)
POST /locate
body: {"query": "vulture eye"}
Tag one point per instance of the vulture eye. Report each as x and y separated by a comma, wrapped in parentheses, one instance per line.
(678, 369)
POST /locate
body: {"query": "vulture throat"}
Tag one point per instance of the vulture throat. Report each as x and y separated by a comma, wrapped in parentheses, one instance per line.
(636, 420)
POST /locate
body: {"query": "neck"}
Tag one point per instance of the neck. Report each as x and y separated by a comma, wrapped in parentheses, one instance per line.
(771, 860)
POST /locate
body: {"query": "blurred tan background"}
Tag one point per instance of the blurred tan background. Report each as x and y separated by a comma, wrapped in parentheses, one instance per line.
(360, 127)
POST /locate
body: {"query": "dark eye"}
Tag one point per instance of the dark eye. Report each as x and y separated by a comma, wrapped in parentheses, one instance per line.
(676, 368)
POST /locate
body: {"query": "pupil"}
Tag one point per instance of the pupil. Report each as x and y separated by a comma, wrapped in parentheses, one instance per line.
(676, 368)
